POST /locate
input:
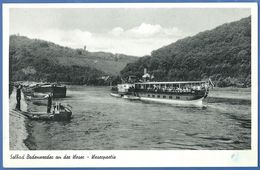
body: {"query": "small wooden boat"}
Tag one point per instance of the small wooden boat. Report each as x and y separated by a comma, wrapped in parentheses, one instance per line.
(37, 99)
(115, 95)
(62, 113)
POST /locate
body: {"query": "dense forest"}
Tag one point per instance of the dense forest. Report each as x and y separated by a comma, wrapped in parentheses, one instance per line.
(38, 60)
(222, 54)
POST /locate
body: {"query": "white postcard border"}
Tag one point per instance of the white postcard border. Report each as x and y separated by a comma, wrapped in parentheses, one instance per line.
(137, 158)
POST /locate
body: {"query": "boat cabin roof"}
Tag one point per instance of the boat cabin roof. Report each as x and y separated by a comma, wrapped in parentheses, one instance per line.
(174, 82)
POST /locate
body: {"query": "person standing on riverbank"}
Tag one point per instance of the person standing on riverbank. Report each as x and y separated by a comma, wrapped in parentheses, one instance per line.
(18, 97)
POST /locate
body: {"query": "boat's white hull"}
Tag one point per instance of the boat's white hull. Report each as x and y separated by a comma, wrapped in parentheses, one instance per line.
(131, 97)
(197, 102)
(115, 95)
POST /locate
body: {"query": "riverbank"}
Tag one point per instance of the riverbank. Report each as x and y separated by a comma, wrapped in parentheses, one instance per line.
(18, 123)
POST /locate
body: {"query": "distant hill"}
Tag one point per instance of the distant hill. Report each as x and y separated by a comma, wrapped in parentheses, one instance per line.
(222, 54)
(34, 59)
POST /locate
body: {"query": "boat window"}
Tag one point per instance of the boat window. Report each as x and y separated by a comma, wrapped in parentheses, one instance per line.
(153, 96)
(177, 97)
(158, 96)
(170, 97)
(148, 95)
(164, 96)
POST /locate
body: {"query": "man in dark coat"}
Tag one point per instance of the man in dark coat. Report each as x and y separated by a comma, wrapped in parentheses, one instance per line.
(49, 103)
(18, 97)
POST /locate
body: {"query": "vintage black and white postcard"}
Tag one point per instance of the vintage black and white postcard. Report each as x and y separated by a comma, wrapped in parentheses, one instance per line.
(130, 85)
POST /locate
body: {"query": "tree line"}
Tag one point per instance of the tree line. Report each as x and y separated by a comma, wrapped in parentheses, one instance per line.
(38, 60)
(222, 54)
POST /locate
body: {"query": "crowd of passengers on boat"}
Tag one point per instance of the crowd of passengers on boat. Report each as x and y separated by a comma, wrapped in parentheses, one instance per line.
(153, 88)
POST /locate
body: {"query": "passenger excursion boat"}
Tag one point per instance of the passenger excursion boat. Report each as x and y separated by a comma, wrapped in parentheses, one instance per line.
(180, 92)
(183, 92)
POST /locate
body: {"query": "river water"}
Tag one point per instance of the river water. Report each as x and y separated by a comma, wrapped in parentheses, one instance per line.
(102, 122)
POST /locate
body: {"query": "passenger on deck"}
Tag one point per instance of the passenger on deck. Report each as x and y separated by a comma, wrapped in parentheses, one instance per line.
(163, 89)
(131, 89)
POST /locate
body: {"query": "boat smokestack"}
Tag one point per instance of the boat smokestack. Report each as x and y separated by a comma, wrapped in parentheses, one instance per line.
(145, 71)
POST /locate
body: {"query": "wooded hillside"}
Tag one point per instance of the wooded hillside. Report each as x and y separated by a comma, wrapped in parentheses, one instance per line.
(222, 54)
(38, 60)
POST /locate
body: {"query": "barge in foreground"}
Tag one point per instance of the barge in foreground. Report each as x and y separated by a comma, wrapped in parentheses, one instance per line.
(59, 113)
(58, 91)
(183, 92)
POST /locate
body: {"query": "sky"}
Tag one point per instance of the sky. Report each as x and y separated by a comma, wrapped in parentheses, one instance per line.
(131, 31)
